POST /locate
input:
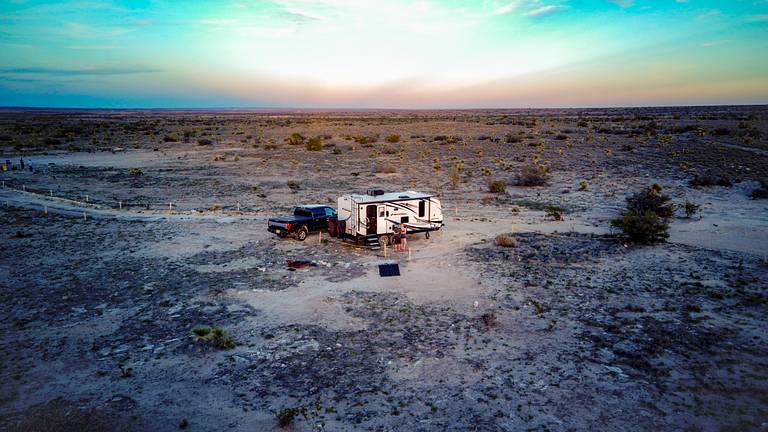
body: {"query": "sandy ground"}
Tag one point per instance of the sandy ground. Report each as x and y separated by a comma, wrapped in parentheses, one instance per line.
(572, 329)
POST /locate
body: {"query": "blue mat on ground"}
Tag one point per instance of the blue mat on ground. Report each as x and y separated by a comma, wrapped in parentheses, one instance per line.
(387, 270)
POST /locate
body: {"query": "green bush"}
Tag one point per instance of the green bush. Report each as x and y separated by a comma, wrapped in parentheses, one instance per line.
(314, 144)
(136, 172)
(554, 212)
(646, 218)
(295, 139)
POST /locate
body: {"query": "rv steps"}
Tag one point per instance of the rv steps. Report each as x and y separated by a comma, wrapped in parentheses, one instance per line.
(373, 243)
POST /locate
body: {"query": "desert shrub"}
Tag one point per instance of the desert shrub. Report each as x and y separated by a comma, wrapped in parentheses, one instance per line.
(286, 415)
(314, 144)
(762, 191)
(293, 185)
(171, 138)
(216, 207)
(497, 186)
(627, 147)
(554, 212)
(721, 132)
(708, 180)
(270, 146)
(486, 172)
(583, 185)
(512, 139)
(295, 139)
(216, 336)
(561, 137)
(506, 240)
(646, 218)
(136, 172)
(392, 138)
(204, 142)
(690, 208)
(532, 176)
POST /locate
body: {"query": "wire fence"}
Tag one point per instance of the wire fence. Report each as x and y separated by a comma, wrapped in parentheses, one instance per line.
(85, 200)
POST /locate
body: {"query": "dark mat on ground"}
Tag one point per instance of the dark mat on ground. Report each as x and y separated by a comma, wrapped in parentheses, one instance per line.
(387, 270)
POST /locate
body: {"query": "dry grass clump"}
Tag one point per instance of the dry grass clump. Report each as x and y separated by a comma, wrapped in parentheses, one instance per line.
(392, 138)
(216, 336)
(533, 176)
(506, 240)
(384, 168)
(204, 142)
(497, 186)
(708, 180)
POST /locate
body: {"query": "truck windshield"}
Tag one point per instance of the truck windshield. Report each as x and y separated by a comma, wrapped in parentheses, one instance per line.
(298, 211)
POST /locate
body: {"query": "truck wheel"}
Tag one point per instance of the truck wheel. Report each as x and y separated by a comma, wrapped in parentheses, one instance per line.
(301, 234)
(427, 235)
(385, 240)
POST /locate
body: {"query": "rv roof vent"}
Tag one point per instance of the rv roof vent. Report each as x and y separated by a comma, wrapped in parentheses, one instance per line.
(403, 196)
(375, 192)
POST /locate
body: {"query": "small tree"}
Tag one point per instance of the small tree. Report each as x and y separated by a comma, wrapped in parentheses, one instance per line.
(646, 218)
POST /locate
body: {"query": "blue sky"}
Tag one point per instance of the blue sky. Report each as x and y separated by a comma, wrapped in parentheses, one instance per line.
(382, 54)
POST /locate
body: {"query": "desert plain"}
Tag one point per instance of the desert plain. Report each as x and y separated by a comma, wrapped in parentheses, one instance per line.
(140, 289)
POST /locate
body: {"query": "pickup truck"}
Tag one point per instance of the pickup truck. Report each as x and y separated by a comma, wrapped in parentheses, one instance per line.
(304, 219)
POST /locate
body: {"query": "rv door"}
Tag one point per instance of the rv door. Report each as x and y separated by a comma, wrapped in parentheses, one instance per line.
(371, 219)
(381, 226)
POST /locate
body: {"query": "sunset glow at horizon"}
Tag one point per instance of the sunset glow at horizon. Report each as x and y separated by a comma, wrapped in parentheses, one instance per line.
(382, 54)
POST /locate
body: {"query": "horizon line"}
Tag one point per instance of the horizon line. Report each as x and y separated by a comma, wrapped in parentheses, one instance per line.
(358, 109)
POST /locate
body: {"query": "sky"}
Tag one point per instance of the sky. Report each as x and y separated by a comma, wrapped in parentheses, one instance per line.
(382, 53)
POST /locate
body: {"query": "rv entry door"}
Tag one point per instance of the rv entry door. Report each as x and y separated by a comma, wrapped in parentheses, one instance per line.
(382, 221)
(370, 219)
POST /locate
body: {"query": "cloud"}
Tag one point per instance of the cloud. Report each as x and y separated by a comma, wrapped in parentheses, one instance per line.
(529, 8)
(623, 3)
(545, 10)
(79, 72)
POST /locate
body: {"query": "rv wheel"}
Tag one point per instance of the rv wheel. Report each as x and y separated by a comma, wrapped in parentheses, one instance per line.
(427, 234)
(301, 234)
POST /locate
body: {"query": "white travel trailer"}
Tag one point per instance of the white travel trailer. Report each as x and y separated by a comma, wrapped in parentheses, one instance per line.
(374, 217)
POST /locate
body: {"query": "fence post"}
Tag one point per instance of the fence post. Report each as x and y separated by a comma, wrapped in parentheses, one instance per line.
(45, 209)
(51, 192)
(385, 250)
(86, 198)
(120, 204)
(85, 216)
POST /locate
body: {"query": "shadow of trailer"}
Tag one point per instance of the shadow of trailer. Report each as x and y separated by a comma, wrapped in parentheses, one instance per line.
(375, 218)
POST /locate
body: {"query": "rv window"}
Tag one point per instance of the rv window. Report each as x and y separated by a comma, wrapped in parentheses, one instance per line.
(404, 219)
(422, 208)
(381, 211)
